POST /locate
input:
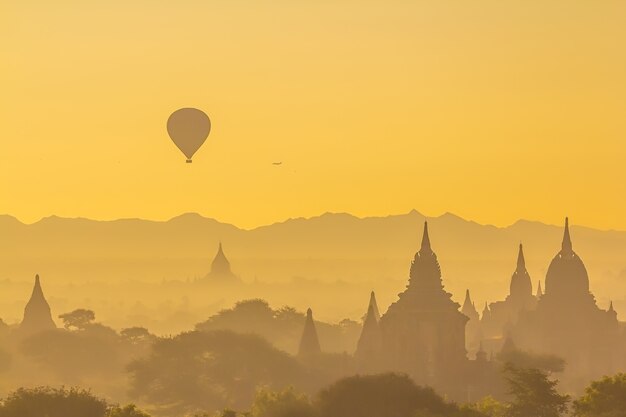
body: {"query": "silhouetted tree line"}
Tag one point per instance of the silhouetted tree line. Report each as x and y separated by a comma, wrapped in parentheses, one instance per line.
(222, 370)
(282, 326)
(211, 370)
(52, 402)
(533, 394)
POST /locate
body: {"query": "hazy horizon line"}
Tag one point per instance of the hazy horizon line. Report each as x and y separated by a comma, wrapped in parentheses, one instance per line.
(326, 213)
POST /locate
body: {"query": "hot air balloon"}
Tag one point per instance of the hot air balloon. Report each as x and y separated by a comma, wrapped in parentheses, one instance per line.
(188, 128)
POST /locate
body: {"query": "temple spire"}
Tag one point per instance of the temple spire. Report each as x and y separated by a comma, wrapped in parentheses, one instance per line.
(521, 262)
(374, 306)
(426, 239)
(469, 309)
(309, 343)
(566, 246)
(369, 343)
(37, 291)
(37, 314)
(220, 268)
(467, 304)
(486, 312)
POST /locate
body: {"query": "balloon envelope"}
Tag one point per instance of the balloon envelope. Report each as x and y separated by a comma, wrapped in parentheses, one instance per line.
(188, 128)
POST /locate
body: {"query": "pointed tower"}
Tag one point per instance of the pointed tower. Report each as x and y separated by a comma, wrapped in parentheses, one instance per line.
(521, 287)
(486, 316)
(368, 347)
(374, 306)
(539, 290)
(37, 315)
(309, 343)
(567, 276)
(469, 309)
(611, 312)
(220, 268)
(566, 245)
(473, 333)
(423, 332)
(504, 314)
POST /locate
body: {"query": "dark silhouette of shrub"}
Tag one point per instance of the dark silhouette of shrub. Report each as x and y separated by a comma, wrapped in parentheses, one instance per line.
(383, 395)
(199, 371)
(51, 402)
(603, 398)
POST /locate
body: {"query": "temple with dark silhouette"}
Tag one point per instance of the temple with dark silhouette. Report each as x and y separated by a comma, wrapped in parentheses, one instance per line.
(567, 321)
(220, 269)
(473, 332)
(423, 332)
(309, 342)
(503, 315)
(369, 346)
(37, 314)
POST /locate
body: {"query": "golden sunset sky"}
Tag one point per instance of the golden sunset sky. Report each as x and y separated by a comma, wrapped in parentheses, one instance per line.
(493, 110)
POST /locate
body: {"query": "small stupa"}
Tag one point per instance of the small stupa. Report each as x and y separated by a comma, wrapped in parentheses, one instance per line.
(37, 314)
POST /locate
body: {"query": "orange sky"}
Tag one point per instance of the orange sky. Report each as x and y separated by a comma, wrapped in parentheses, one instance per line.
(494, 110)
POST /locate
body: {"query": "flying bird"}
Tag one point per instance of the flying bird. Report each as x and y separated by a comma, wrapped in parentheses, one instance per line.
(277, 163)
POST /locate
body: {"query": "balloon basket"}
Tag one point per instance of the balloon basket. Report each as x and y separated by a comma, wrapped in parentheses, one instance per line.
(189, 161)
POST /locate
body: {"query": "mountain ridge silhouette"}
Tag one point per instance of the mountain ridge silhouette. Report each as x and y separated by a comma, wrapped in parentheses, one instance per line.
(197, 216)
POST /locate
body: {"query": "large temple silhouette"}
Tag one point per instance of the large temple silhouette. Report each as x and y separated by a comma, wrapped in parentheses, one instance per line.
(422, 334)
(567, 321)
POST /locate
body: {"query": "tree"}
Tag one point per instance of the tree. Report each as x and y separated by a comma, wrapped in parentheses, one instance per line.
(534, 394)
(489, 407)
(603, 398)
(76, 356)
(282, 327)
(129, 411)
(210, 370)
(530, 360)
(78, 319)
(51, 402)
(383, 395)
(137, 335)
(285, 403)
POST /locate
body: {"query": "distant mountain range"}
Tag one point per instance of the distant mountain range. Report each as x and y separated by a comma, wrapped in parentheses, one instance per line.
(330, 247)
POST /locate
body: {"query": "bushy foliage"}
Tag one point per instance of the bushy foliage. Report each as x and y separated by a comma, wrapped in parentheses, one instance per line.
(383, 395)
(210, 370)
(285, 403)
(78, 319)
(129, 411)
(603, 398)
(95, 352)
(51, 402)
(137, 336)
(534, 394)
(529, 360)
(283, 326)
(488, 407)
(62, 402)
